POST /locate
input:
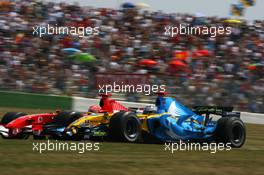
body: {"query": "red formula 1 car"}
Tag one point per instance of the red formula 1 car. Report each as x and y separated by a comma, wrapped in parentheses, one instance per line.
(19, 125)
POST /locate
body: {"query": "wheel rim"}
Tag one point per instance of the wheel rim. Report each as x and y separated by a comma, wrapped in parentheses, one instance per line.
(131, 128)
(237, 133)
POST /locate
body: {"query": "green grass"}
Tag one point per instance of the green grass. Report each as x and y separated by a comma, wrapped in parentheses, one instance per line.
(17, 157)
(34, 101)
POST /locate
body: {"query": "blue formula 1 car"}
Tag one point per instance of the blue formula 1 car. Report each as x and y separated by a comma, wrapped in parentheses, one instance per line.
(169, 121)
(177, 122)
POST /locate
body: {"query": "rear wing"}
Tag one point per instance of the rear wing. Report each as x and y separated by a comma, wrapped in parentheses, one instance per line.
(224, 111)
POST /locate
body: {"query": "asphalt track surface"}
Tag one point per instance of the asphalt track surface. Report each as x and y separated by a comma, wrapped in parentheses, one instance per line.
(82, 104)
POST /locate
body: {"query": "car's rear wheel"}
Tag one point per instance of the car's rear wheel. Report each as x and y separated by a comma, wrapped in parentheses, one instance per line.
(125, 127)
(231, 130)
(65, 118)
(10, 116)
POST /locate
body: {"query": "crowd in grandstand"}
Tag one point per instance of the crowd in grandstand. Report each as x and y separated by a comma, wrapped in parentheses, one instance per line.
(229, 71)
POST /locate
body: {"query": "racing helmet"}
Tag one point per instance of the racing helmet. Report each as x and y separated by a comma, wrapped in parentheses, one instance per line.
(149, 110)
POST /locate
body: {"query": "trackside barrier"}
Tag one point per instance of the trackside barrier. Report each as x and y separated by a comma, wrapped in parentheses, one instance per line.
(82, 104)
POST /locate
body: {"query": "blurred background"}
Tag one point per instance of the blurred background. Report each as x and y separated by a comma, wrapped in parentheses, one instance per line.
(132, 48)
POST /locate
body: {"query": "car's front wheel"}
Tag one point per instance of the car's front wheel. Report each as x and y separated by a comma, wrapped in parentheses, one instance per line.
(125, 127)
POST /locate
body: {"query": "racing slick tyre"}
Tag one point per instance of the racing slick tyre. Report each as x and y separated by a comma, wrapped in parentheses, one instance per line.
(65, 118)
(125, 127)
(230, 130)
(10, 116)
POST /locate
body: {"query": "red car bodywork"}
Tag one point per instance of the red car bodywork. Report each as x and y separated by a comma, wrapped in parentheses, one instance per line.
(37, 121)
